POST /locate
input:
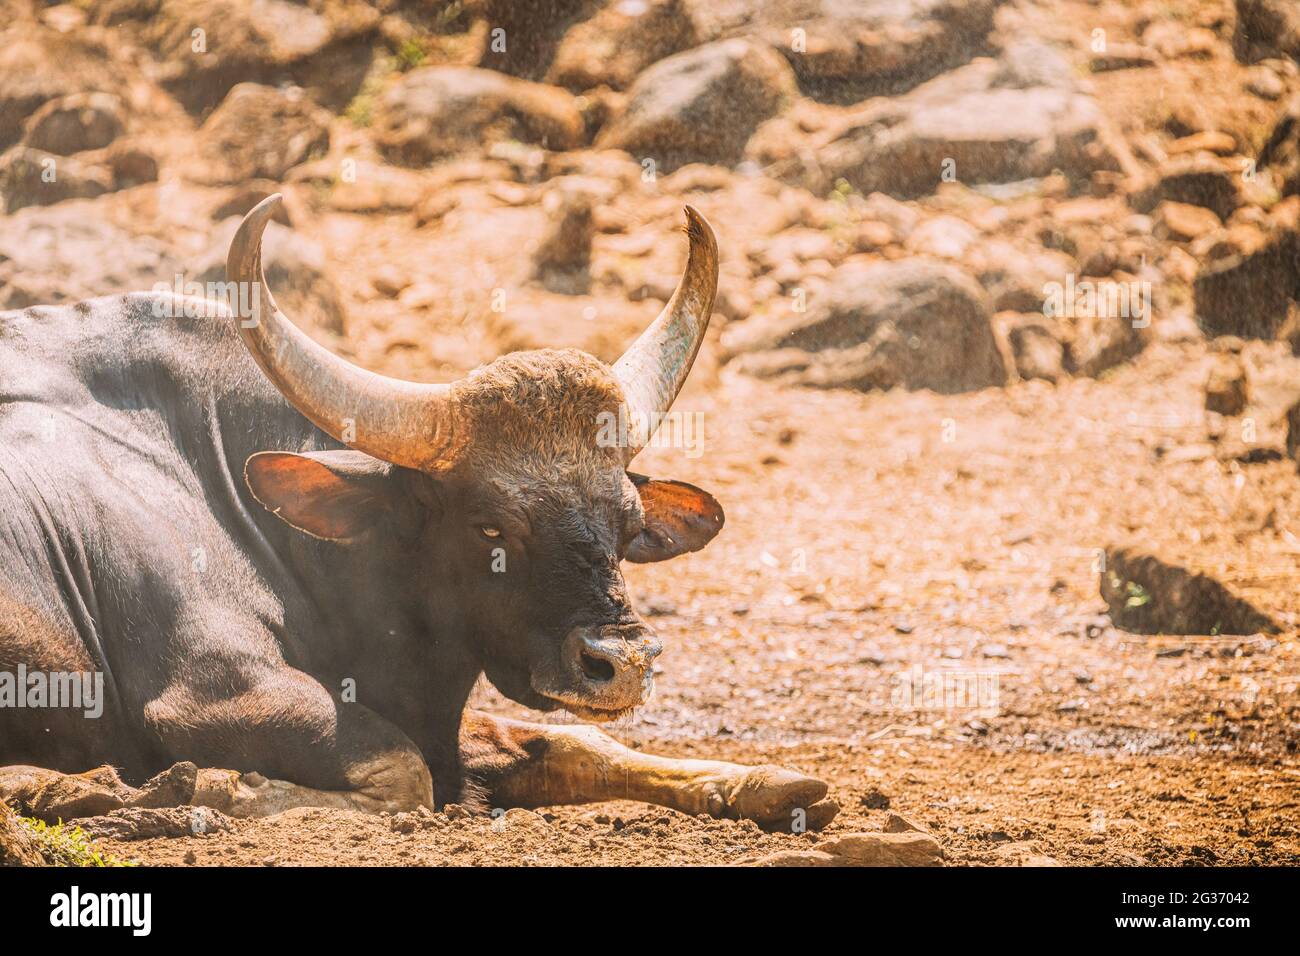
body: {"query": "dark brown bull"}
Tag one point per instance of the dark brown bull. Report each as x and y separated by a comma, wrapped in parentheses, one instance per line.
(357, 577)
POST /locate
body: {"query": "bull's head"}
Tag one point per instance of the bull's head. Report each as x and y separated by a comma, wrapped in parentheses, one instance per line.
(509, 487)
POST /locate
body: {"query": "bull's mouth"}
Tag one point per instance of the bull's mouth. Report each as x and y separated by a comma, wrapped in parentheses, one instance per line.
(589, 707)
(591, 713)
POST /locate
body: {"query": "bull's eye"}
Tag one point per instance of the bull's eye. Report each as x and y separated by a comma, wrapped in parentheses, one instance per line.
(490, 532)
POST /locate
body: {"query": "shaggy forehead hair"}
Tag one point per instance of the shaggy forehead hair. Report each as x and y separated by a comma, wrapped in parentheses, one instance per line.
(534, 417)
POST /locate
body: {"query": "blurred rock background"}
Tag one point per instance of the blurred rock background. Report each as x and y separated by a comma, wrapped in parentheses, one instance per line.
(895, 182)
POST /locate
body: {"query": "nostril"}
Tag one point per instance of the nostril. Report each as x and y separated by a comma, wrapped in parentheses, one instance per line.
(596, 669)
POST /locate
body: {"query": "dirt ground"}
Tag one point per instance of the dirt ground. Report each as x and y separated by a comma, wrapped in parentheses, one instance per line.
(877, 545)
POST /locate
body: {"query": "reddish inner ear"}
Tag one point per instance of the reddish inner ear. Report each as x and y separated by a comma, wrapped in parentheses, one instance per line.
(678, 518)
(310, 496)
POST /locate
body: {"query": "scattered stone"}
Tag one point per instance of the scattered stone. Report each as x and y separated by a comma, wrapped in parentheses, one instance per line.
(875, 800)
(416, 820)
(1226, 389)
(534, 32)
(943, 237)
(370, 187)
(73, 124)
(1267, 28)
(897, 823)
(1199, 179)
(846, 52)
(913, 323)
(1293, 432)
(701, 106)
(1249, 294)
(240, 200)
(519, 820)
(1037, 352)
(1175, 40)
(987, 122)
(658, 607)
(325, 47)
(1265, 83)
(260, 132)
(1281, 152)
(29, 177)
(131, 164)
(439, 111)
(1017, 275)
(1148, 596)
(1184, 222)
(1027, 853)
(908, 848)
(1122, 56)
(1210, 141)
(389, 281)
(563, 254)
(619, 42)
(1102, 339)
(38, 65)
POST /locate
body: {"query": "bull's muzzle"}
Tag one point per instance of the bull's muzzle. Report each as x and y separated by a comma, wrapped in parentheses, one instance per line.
(610, 667)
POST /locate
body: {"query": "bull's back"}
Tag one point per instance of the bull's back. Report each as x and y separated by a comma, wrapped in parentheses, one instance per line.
(124, 426)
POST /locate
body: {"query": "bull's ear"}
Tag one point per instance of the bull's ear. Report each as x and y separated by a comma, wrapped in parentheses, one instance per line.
(328, 494)
(678, 518)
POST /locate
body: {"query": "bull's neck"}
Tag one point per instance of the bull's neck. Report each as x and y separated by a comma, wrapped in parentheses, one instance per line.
(363, 596)
(371, 616)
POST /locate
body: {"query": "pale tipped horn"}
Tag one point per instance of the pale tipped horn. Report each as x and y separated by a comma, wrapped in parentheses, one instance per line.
(405, 423)
(654, 368)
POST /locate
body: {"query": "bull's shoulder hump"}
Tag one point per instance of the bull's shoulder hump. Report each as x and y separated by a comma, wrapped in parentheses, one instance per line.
(113, 316)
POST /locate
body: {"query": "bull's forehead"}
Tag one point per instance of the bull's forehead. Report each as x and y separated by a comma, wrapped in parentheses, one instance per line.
(545, 414)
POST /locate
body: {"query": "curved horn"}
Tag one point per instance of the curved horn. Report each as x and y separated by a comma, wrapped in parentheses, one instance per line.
(401, 422)
(654, 368)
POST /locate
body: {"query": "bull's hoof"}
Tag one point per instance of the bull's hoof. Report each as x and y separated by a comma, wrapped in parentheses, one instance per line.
(777, 799)
(53, 796)
(174, 787)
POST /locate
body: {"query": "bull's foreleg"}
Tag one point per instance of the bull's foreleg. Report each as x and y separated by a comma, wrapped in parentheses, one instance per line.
(531, 765)
(298, 747)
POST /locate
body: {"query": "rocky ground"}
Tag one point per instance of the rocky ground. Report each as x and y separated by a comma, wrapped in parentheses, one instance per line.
(997, 396)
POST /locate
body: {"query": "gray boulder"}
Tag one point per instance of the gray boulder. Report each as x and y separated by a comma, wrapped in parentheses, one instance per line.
(440, 111)
(208, 46)
(30, 177)
(703, 105)
(73, 124)
(845, 50)
(1267, 28)
(987, 122)
(37, 65)
(913, 323)
(261, 132)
